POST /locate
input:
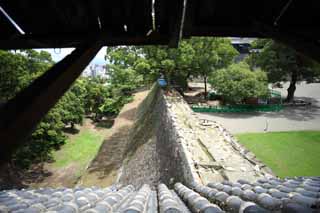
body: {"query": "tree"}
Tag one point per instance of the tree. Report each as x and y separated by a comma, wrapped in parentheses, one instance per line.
(143, 68)
(237, 82)
(282, 63)
(121, 68)
(18, 70)
(210, 54)
(47, 136)
(71, 109)
(13, 74)
(195, 56)
(87, 95)
(94, 97)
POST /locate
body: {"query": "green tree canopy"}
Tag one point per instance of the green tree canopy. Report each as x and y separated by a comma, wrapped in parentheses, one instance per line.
(238, 82)
(211, 54)
(18, 70)
(282, 63)
(194, 57)
(94, 96)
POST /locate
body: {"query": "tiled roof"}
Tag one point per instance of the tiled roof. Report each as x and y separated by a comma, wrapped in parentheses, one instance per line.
(300, 194)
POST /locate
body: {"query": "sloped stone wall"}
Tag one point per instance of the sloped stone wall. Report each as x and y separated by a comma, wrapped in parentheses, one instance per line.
(155, 152)
(211, 152)
(175, 164)
(141, 165)
(170, 144)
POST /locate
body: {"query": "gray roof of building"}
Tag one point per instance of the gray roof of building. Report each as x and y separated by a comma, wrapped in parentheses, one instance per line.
(301, 194)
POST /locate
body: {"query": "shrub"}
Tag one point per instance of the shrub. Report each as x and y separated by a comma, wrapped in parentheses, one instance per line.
(238, 82)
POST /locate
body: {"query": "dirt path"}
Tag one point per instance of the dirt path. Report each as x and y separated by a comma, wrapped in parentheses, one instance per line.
(104, 169)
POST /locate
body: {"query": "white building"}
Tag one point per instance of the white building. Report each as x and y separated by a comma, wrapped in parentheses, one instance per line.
(95, 70)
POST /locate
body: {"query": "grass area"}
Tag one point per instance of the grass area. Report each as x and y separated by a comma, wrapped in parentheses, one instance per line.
(286, 153)
(79, 149)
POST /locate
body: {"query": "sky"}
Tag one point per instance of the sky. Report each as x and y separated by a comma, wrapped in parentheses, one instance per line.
(58, 54)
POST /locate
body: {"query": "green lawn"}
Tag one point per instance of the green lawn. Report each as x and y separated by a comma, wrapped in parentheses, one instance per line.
(286, 153)
(80, 149)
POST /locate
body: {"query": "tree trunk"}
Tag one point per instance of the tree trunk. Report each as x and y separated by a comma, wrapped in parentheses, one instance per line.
(205, 87)
(292, 88)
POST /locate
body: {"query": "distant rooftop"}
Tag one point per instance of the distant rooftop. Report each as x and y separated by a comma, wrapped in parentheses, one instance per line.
(239, 40)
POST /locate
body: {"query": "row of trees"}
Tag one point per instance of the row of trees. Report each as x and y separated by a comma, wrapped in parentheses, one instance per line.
(131, 67)
(269, 62)
(212, 59)
(195, 57)
(93, 97)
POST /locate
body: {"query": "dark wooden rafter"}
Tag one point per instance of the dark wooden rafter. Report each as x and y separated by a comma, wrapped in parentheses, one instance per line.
(21, 114)
(224, 32)
(188, 19)
(61, 41)
(309, 47)
(67, 23)
(7, 28)
(177, 23)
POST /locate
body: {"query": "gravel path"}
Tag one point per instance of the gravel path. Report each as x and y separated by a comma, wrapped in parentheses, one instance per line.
(289, 119)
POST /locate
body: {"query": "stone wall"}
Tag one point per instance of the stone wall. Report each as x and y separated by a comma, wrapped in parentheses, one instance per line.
(170, 144)
(141, 165)
(210, 151)
(155, 152)
(175, 164)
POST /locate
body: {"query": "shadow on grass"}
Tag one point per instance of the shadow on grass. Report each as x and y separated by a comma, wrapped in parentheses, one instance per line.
(106, 123)
(111, 152)
(15, 178)
(71, 131)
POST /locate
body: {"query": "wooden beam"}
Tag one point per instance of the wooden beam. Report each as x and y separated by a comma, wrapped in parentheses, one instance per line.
(309, 47)
(188, 24)
(177, 23)
(62, 41)
(218, 31)
(20, 115)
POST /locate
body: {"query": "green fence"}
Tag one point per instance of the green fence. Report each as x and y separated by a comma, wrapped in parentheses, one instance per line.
(274, 93)
(239, 108)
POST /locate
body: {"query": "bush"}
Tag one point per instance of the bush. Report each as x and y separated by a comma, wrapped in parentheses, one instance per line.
(238, 82)
(47, 137)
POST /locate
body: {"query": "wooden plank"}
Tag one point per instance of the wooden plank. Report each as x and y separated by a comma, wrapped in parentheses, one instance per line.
(307, 46)
(62, 41)
(177, 23)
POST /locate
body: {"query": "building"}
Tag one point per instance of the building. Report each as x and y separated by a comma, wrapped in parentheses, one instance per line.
(95, 70)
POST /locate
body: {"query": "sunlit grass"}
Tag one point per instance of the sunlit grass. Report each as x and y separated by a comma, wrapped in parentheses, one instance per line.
(80, 149)
(286, 153)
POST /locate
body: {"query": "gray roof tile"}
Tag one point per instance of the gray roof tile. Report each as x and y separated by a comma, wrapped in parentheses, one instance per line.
(299, 194)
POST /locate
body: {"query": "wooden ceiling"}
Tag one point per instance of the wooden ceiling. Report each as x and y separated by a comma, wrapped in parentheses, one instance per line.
(68, 23)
